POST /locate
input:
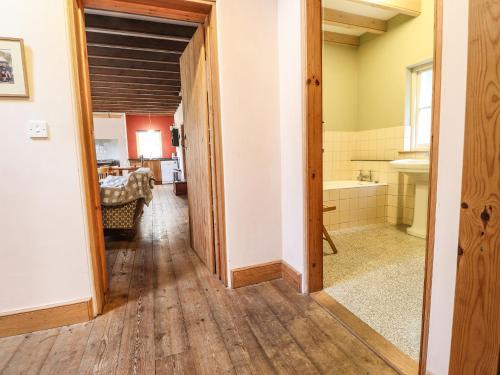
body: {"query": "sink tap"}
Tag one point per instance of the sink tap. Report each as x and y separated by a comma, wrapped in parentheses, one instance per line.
(364, 177)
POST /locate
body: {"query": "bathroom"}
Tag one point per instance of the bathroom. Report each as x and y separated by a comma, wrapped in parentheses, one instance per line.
(377, 116)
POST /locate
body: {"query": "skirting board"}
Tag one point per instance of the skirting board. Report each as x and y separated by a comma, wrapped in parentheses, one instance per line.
(51, 317)
(259, 273)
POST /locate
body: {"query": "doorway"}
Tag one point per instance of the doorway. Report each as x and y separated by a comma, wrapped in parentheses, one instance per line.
(337, 236)
(110, 88)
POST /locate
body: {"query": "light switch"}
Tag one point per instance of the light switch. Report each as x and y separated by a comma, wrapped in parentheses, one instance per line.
(38, 129)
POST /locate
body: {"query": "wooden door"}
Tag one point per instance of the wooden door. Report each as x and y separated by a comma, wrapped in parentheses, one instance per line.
(197, 147)
(476, 326)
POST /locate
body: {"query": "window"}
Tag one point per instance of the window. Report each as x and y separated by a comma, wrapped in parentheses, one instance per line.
(149, 143)
(421, 107)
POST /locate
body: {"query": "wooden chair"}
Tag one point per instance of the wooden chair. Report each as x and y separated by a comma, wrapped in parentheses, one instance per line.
(326, 235)
(103, 172)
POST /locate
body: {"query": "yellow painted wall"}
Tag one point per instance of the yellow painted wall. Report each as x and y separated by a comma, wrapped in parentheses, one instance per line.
(365, 88)
(340, 87)
(383, 63)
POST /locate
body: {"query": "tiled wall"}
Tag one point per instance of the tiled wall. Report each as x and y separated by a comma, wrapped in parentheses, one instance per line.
(355, 206)
(372, 146)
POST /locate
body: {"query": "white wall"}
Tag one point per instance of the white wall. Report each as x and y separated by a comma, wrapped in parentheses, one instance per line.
(179, 120)
(248, 61)
(113, 128)
(451, 140)
(291, 75)
(43, 255)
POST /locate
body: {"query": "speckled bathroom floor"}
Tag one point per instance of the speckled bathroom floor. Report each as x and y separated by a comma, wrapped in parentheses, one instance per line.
(378, 274)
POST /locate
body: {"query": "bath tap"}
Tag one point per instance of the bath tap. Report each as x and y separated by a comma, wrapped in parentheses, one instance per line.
(364, 177)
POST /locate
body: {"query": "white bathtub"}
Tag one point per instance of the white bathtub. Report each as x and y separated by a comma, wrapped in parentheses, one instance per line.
(357, 203)
(330, 185)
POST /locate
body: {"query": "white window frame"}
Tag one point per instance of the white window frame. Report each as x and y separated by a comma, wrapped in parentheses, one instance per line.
(415, 90)
(141, 152)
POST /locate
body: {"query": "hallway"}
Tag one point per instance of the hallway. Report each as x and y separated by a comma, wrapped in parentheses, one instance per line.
(166, 314)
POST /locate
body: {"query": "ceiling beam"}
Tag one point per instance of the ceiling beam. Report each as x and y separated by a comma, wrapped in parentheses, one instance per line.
(151, 112)
(128, 109)
(354, 21)
(155, 113)
(131, 54)
(134, 64)
(160, 113)
(409, 7)
(350, 40)
(134, 87)
(137, 27)
(133, 100)
(141, 80)
(122, 41)
(182, 10)
(134, 93)
(136, 73)
(123, 108)
(118, 95)
(132, 104)
(118, 107)
(107, 115)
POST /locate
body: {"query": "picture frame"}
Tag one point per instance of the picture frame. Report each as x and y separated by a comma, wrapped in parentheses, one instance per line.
(13, 75)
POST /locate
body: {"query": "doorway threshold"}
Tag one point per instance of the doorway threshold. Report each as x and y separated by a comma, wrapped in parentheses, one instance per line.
(387, 351)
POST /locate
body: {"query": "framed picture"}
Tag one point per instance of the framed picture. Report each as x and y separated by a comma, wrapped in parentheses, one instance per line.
(13, 77)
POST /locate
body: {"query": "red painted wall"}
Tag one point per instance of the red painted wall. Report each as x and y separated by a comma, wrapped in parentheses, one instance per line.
(162, 123)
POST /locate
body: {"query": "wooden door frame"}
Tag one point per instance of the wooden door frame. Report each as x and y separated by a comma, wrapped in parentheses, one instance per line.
(475, 346)
(314, 160)
(201, 11)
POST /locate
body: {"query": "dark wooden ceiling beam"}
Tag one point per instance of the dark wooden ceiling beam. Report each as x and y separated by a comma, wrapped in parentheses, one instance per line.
(133, 87)
(133, 101)
(101, 91)
(118, 53)
(135, 80)
(139, 27)
(134, 73)
(134, 107)
(139, 96)
(133, 64)
(170, 46)
(109, 108)
(136, 110)
(158, 113)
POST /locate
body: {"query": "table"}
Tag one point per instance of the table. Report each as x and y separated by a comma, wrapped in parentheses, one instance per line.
(120, 170)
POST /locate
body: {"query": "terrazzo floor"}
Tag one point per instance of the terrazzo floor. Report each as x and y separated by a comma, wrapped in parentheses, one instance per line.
(378, 274)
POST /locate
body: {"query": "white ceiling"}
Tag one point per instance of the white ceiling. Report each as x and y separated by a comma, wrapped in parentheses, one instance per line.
(360, 9)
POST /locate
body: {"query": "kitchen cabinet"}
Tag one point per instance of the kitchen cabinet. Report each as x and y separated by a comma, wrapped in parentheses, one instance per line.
(154, 165)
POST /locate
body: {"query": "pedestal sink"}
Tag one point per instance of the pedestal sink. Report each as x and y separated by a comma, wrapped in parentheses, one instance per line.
(419, 170)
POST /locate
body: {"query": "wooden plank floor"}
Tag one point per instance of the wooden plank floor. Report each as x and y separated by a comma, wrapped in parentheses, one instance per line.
(167, 315)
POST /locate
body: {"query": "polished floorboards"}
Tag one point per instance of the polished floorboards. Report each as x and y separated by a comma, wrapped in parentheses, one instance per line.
(166, 314)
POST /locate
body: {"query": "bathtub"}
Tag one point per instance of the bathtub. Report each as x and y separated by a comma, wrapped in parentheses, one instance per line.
(358, 203)
(329, 185)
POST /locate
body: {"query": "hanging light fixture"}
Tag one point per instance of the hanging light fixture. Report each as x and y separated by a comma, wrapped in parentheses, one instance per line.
(150, 125)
